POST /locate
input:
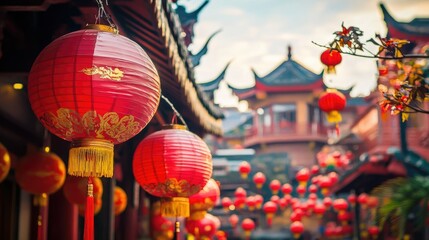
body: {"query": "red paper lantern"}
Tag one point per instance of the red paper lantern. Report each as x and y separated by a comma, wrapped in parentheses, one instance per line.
(40, 173)
(352, 199)
(302, 176)
(372, 202)
(340, 205)
(275, 186)
(258, 201)
(119, 200)
(84, 87)
(373, 231)
(269, 208)
(363, 200)
(205, 199)
(75, 189)
(275, 199)
(4, 162)
(297, 228)
(172, 164)
(233, 220)
(314, 170)
(312, 188)
(325, 183)
(247, 225)
(259, 179)
(283, 202)
(331, 58)
(296, 216)
(240, 193)
(251, 203)
(327, 201)
(226, 203)
(204, 228)
(334, 177)
(244, 169)
(312, 196)
(319, 210)
(344, 217)
(332, 102)
(162, 228)
(239, 203)
(286, 189)
(301, 190)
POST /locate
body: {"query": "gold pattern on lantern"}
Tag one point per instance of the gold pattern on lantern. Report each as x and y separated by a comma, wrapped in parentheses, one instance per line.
(105, 72)
(70, 124)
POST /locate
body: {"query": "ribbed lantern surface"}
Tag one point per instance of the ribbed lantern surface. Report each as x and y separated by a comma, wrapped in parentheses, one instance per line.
(172, 164)
(94, 88)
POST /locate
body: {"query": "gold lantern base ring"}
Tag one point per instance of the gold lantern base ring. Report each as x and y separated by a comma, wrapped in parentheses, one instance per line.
(91, 158)
(175, 207)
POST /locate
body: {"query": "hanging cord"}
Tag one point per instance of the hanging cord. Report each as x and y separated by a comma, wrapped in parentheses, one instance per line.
(175, 111)
(103, 14)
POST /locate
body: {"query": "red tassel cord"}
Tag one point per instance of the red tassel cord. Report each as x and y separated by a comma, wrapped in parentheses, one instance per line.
(89, 212)
(177, 230)
(41, 201)
(337, 129)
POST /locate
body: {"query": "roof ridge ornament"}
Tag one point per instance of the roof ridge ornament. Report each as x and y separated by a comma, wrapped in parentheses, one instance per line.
(289, 52)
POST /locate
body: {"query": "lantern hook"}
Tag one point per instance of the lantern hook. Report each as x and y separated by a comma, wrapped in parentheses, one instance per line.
(176, 113)
(102, 13)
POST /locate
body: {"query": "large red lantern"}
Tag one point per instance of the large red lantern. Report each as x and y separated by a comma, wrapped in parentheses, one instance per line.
(204, 199)
(247, 225)
(95, 88)
(4, 162)
(269, 208)
(172, 164)
(259, 179)
(297, 228)
(331, 58)
(275, 186)
(40, 173)
(119, 200)
(332, 102)
(244, 169)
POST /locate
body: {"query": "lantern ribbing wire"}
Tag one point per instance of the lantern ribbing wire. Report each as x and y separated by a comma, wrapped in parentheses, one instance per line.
(175, 110)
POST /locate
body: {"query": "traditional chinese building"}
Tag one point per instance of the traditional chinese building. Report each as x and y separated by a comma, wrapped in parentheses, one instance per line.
(26, 27)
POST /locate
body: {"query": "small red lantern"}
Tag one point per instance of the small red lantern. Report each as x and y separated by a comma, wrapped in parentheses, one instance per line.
(332, 102)
(258, 201)
(314, 170)
(340, 205)
(344, 217)
(233, 220)
(244, 169)
(301, 190)
(248, 225)
(312, 196)
(352, 199)
(275, 186)
(372, 202)
(312, 188)
(181, 165)
(251, 203)
(239, 203)
(296, 216)
(325, 183)
(275, 199)
(319, 210)
(204, 199)
(334, 177)
(363, 200)
(4, 162)
(297, 228)
(119, 200)
(204, 228)
(226, 202)
(259, 179)
(286, 189)
(302, 176)
(327, 201)
(269, 208)
(283, 202)
(81, 87)
(331, 58)
(373, 231)
(162, 228)
(240, 193)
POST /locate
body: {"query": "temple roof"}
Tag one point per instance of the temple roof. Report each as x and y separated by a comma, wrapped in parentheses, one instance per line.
(212, 85)
(195, 59)
(415, 30)
(289, 76)
(188, 19)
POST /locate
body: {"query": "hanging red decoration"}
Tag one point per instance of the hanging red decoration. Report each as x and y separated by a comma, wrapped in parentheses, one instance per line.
(301, 190)
(247, 225)
(283, 202)
(244, 169)
(332, 102)
(270, 209)
(312, 188)
(373, 231)
(286, 189)
(240, 193)
(319, 210)
(98, 204)
(372, 202)
(344, 217)
(233, 220)
(172, 164)
(363, 200)
(162, 228)
(275, 186)
(327, 201)
(75, 189)
(226, 202)
(204, 200)
(84, 87)
(352, 199)
(340, 205)
(4, 162)
(251, 203)
(331, 58)
(259, 179)
(325, 183)
(314, 170)
(258, 201)
(204, 228)
(302, 176)
(119, 200)
(297, 228)
(240, 203)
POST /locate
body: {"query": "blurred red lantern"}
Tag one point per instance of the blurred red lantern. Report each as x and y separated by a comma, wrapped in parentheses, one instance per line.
(334, 177)
(181, 165)
(331, 58)
(226, 203)
(244, 169)
(4, 162)
(269, 208)
(344, 217)
(325, 183)
(302, 176)
(275, 199)
(247, 225)
(327, 201)
(352, 199)
(119, 200)
(296, 216)
(259, 179)
(373, 231)
(332, 102)
(40, 173)
(275, 186)
(301, 190)
(297, 228)
(258, 201)
(314, 170)
(233, 220)
(204, 228)
(251, 203)
(75, 189)
(162, 228)
(372, 202)
(312, 196)
(221, 235)
(283, 202)
(311, 204)
(340, 205)
(204, 199)
(240, 193)
(81, 87)
(363, 200)
(239, 203)
(286, 189)
(312, 188)
(319, 210)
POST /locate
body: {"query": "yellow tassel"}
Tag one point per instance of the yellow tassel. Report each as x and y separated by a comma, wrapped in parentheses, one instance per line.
(334, 116)
(197, 215)
(40, 199)
(175, 207)
(91, 158)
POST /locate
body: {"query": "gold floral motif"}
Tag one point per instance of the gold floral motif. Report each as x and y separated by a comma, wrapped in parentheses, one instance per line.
(70, 125)
(105, 72)
(173, 188)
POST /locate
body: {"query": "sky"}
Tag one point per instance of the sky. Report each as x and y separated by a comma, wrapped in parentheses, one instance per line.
(255, 34)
